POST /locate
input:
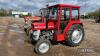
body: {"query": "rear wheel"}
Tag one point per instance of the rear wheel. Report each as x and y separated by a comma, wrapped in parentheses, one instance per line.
(42, 46)
(75, 35)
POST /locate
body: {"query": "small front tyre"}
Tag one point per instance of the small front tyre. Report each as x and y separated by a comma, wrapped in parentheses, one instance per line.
(42, 46)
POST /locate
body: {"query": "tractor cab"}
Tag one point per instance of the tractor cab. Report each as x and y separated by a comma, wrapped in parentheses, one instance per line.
(64, 16)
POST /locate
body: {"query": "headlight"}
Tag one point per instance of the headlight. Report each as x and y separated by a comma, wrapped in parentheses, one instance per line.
(36, 34)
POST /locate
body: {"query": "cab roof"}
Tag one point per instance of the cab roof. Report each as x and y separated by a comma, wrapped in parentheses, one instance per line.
(64, 5)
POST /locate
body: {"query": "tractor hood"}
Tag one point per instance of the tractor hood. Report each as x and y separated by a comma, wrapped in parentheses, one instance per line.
(42, 25)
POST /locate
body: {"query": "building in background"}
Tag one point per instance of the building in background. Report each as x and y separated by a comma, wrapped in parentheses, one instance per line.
(18, 14)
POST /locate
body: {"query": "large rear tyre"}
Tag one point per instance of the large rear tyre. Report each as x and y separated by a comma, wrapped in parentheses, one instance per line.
(42, 46)
(75, 35)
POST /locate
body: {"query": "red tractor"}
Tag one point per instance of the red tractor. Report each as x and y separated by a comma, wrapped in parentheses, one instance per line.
(29, 19)
(62, 24)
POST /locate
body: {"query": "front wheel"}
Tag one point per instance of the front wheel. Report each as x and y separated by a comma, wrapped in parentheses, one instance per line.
(42, 46)
(75, 35)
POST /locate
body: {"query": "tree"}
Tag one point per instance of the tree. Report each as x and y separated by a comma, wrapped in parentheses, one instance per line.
(95, 13)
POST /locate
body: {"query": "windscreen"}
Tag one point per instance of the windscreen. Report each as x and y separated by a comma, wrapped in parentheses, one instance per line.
(53, 13)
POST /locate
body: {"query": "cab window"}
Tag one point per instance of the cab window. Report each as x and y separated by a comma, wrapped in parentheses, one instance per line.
(65, 14)
(53, 13)
(75, 13)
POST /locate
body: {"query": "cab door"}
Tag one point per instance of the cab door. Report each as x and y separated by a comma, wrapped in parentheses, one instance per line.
(65, 18)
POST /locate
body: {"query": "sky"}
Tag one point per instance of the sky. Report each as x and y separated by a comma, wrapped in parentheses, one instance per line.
(35, 5)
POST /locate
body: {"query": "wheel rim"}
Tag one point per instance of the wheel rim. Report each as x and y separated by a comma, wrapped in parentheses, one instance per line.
(77, 36)
(44, 47)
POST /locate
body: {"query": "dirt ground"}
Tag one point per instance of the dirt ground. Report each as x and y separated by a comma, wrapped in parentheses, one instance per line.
(13, 40)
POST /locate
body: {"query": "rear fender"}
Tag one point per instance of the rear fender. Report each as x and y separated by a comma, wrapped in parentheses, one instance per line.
(70, 25)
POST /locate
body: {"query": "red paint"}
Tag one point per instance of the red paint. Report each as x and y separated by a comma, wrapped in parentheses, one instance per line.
(64, 5)
(39, 26)
(60, 37)
(42, 26)
(51, 25)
